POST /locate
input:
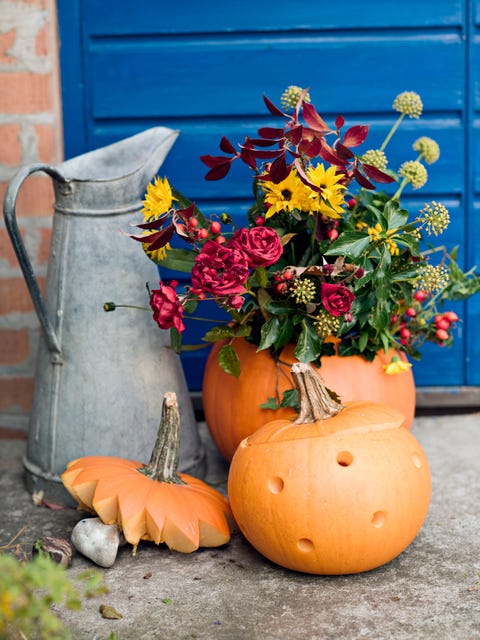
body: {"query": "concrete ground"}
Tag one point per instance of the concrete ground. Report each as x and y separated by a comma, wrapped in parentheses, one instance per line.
(432, 590)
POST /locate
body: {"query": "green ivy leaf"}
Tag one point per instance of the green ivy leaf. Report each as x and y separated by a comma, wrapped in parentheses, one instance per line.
(178, 260)
(229, 361)
(308, 344)
(269, 333)
(394, 216)
(350, 243)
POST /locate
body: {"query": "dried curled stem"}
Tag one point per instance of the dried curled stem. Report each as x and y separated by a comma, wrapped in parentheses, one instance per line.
(315, 401)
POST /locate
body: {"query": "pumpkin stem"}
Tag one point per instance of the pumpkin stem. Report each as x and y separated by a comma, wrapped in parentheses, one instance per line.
(163, 463)
(315, 400)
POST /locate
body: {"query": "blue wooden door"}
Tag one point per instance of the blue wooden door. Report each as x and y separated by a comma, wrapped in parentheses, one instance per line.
(203, 70)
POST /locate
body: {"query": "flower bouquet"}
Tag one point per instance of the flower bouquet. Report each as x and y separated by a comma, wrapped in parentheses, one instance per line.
(325, 261)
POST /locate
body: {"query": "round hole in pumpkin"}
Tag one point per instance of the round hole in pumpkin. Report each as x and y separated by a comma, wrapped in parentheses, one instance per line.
(417, 461)
(344, 458)
(379, 518)
(305, 544)
(276, 485)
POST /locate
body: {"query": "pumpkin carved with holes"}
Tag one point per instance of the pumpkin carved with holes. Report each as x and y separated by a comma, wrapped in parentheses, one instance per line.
(342, 489)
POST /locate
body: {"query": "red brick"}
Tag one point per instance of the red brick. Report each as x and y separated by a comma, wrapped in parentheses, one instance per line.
(6, 41)
(10, 145)
(46, 137)
(6, 249)
(14, 346)
(26, 92)
(44, 247)
(16, 393)
(14, 296)
(42, 41)
(35, 198)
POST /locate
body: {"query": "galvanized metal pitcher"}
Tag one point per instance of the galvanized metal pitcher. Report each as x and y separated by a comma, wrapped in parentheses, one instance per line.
(100, 377)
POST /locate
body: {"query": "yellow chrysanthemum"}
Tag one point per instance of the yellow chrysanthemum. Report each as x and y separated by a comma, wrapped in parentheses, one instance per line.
(396, 366)
(287, 195)
(158, 199)
(330, 202)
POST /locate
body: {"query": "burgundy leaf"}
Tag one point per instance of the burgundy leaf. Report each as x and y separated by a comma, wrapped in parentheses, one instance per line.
(214, 161)
(343, 151)
(295, 134)
(219, 171)
(163, 237)
(328, 154)
(248, 157)
(377, 175)
(362, 180)
(279, 170)
(271, 133)
(272, 108)
(186, 214)
(314, 119)
(153, 224)
(226, 146)
(311, 148)
(260, 142)
(265, 154)
(355, 135)
(339, 122)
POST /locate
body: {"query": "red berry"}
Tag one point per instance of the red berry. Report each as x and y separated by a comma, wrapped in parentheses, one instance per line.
(420, 295)
(451, 316)
(282, 287)
(442, 334)
(441, 322)
(215, 227)
(220, 239)
(410, 312)
(193, 222)
(259, 221)
(332, 234)
(351, 203)
(394, 318)
(203, 233)
(288, 275)
(405, 333)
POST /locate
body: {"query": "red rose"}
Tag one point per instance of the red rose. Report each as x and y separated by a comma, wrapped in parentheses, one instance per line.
(220, 270)
(336, 298)
(167, 308)
(261, 245)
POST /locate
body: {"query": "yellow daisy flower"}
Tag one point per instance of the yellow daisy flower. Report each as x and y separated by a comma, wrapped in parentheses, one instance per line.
(158, 199)
(396, 366)
(287, 195)
(330, 202)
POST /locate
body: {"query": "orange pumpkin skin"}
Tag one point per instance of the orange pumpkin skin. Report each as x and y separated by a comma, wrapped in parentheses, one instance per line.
(337, 496)
(232, 405)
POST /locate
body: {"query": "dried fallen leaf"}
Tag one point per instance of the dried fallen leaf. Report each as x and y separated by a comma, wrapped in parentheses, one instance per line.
(109, 612)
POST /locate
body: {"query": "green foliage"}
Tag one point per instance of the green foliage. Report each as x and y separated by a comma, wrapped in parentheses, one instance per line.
(28, 590)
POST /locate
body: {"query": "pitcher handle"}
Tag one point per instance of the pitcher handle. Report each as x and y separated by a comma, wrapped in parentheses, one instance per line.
(25, 264)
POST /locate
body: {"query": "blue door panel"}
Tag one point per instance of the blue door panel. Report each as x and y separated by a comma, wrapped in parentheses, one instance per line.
(143, 17)
(192, 74)
(203, 70)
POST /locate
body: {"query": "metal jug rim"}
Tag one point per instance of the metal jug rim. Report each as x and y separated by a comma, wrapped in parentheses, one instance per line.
(146, 156)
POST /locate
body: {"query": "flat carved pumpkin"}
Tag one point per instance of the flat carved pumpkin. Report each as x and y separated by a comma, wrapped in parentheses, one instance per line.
(342, 489)
(232, 405)
(152, 502)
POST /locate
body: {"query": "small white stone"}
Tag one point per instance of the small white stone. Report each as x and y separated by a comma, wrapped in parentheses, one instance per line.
(97, 541)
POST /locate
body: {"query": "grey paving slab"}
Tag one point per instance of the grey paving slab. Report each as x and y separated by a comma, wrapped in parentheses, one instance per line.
(432, 590)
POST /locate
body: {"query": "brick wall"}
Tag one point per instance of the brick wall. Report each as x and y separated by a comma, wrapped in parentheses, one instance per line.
(30, 131)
